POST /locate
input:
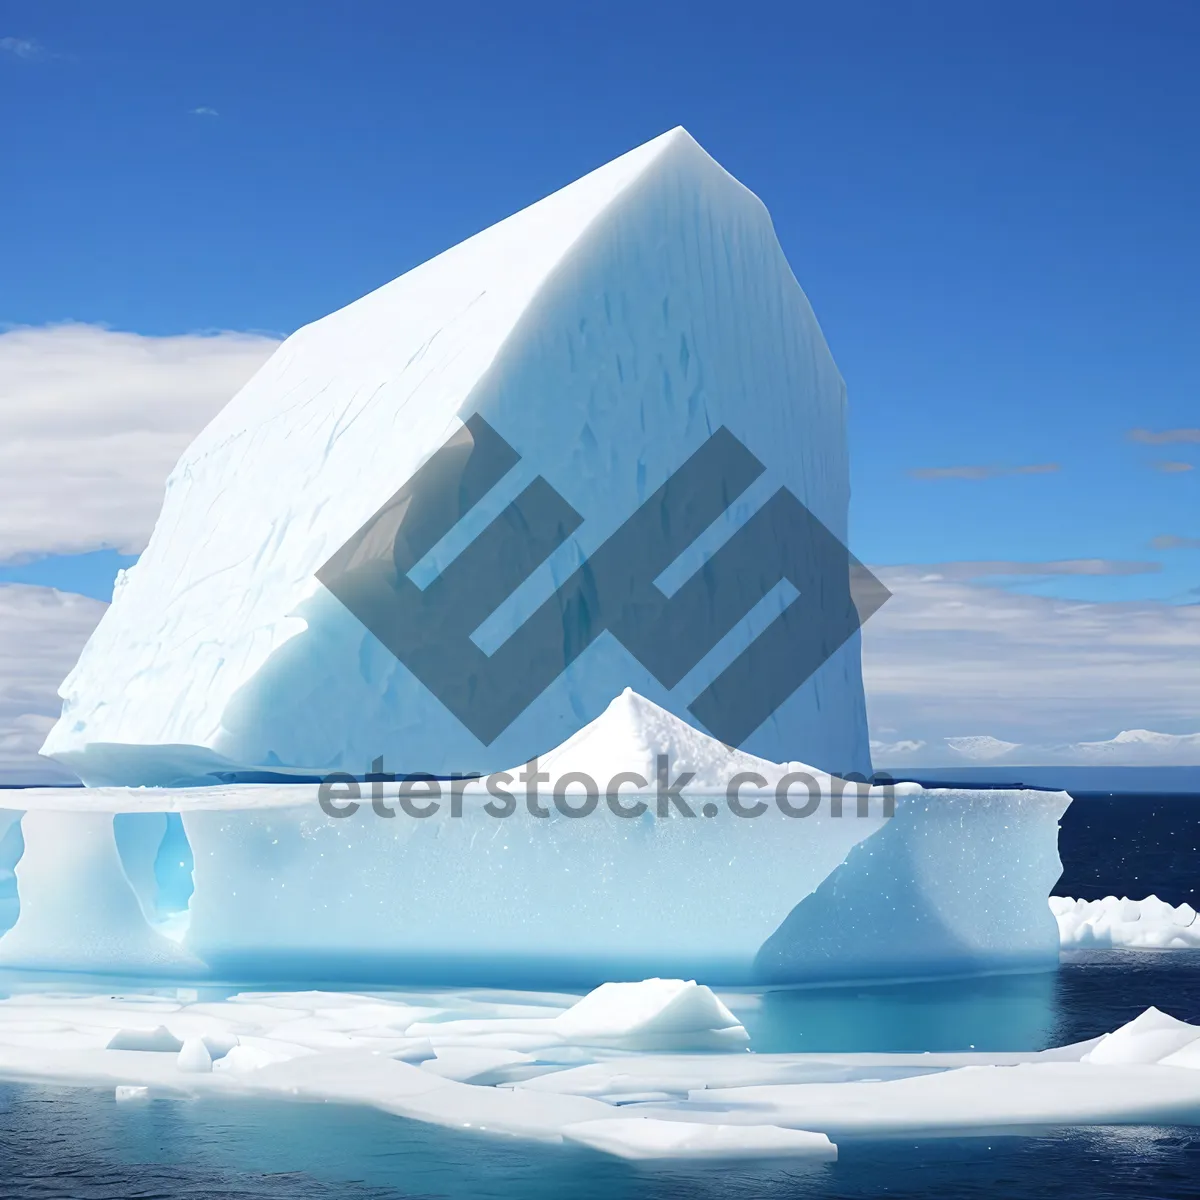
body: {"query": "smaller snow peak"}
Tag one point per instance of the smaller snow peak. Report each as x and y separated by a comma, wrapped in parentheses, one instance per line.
(633, 734)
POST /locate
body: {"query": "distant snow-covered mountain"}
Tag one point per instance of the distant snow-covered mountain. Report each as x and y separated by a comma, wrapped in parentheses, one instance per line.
(1129, 748)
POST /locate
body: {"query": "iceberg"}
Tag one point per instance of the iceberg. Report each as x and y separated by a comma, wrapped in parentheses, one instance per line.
(705, 862)
(471, 438)
(1124, 924)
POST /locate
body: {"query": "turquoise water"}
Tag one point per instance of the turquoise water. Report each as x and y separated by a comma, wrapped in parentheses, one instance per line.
(63, 1144)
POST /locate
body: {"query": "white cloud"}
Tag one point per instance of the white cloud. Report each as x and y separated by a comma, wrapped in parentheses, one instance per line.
(204, 111)
(21, 47)
(1166, 437)
(992, 568)
(944, 661)
(982, 472)
(41, 634)
(91, 423)
(949, 659)
(890, 752)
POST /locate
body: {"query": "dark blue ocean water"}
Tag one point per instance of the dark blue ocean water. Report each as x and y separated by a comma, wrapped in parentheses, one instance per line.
(60, 1144)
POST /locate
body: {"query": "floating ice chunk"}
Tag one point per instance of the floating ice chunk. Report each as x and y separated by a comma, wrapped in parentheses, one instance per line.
(1025, 1096)
(194, 1057)
(126, 1092)
(655, 1014)
(160, 1039)
(1112, 923)
(647, 1138)
(509, 1090)
(1148, 1038)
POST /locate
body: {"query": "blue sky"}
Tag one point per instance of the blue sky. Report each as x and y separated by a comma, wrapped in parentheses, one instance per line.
(993, 212)
(991, 207)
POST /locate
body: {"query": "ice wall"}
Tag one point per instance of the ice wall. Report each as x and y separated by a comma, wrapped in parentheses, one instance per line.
(686, 887)
(751, 871)
(955, 881)
(78, 909)
(605, 332)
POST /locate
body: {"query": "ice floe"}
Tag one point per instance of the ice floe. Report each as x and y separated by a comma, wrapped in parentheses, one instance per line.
(1149, 924)
(559, 1067)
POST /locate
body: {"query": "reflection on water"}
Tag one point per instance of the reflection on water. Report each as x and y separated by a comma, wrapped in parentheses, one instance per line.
(997, 1012)
(81, 1146)
(61, 1144)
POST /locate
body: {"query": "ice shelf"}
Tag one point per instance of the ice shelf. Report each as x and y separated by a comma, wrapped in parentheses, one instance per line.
(751, 871)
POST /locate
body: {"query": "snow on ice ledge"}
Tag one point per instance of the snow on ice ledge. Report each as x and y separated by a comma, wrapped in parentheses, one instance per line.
(953, 882)
(556, 1068)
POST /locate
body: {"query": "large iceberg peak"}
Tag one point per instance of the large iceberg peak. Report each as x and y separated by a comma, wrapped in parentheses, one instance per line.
(604, 335)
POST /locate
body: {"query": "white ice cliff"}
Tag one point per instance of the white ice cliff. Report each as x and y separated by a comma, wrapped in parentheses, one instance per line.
(606, 333)
(793, 875)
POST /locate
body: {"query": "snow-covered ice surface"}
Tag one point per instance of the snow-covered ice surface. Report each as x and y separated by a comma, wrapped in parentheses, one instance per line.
(1149, 924)
(556, 1067)
(605, 333)
(953, 882)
